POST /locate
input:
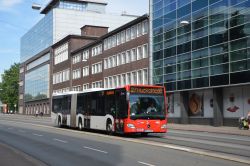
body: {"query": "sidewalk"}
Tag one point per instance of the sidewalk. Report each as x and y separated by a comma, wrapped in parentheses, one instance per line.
(210, 129)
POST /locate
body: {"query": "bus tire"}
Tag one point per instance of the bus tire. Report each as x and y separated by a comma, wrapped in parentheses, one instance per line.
(59, 123)
(80, 124)
(109, 127)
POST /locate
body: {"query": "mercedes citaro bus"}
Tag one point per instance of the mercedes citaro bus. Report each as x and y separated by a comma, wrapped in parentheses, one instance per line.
(128, 109)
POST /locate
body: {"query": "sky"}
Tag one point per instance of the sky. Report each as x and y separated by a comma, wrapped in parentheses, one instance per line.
(17, 17)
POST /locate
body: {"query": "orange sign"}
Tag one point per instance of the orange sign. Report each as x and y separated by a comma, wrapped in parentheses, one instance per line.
(143, 90)
(110, 92)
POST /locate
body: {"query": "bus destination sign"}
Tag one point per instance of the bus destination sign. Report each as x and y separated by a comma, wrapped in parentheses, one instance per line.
(146, 90)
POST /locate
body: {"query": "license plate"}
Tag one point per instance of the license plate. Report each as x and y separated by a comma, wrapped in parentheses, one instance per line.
(140, 130)
(148, 130)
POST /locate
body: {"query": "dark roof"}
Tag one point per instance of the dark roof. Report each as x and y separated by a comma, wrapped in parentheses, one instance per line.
(100, 39)
(52, 3)
(67, 38)
(93, 26)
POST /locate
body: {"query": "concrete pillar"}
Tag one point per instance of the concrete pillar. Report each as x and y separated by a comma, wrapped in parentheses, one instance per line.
(184, 107)
(218, 106)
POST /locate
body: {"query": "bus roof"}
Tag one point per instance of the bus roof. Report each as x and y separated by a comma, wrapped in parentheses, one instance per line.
(100, 89)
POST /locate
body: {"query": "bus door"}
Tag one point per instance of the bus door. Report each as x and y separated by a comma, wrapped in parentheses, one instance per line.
(87, 99)
(121, 109)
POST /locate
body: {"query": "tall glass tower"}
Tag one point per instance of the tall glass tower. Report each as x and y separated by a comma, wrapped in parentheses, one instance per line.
(208, 56)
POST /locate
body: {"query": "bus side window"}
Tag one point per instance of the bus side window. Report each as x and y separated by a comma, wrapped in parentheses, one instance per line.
(110, 104)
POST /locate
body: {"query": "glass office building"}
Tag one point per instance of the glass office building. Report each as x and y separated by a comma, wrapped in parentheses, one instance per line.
(64, 17)
(61, 18)
(37, 84)
(201, 45)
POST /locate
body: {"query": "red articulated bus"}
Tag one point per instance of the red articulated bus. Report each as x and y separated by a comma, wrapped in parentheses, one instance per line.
(129, 109)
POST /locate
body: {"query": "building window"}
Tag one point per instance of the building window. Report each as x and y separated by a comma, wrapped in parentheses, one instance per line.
(123, 79)
(105, 63)
(118, 59)
(133, 32)
(128, 78)
(106, 82)
(21, 83)
(76, 59)
(133, 55)
(110, 62)
(134, 78)
(114, 41)
(65, 89)
(85, 55)
(61, 54)
(21, 70)
(119, 80)
(139, 53)
(114, 82)
(85, 71)
(123, 37)
(145, 50)
(97, 68)
(145, 76)
(114, 61)
(145, 27)
(85, 86)
(61, 76)
(76, 74)
(140, 77)
(123, 58)
(110, 82)
(118, 38)
(128, 56)
(21, 96)
(128, 34)
(76, 88)
(97, 50)
(139, 29)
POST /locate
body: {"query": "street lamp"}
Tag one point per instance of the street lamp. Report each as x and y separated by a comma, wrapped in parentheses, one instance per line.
(36, 6)
(184, 22)
(15, 108)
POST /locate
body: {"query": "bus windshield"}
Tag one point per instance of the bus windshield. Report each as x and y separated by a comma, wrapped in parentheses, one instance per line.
(144, 106)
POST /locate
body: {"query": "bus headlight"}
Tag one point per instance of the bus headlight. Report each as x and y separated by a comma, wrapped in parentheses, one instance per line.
(164, 126)
(131, 126)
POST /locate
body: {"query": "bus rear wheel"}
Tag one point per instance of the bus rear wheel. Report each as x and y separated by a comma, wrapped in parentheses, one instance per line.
(59, 123)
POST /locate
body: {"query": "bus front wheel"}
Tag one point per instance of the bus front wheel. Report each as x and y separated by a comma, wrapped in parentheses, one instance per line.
(80, 124)
(109, 127)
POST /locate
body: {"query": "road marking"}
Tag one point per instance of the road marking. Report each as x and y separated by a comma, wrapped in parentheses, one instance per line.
(39, 135)
(22, 131)
(10, 128)
(86, 147)
(59, 140)
(145, 163)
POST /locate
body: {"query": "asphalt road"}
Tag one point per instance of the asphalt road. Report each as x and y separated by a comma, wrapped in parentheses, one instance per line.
(53, 146)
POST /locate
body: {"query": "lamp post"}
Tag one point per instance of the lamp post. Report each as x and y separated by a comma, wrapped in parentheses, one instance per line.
(15, 107)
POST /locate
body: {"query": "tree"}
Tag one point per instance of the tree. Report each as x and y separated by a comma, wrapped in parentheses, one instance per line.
(9, 87)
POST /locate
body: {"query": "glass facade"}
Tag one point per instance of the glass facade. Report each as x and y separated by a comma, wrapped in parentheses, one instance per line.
(65, 4)
(37, 84)
(38, 38)
(213, 49)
